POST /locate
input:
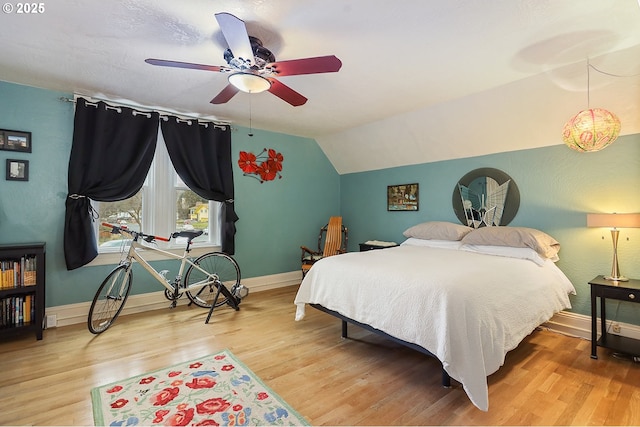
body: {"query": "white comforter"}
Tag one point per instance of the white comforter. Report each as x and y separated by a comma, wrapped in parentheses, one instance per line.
(466, 308)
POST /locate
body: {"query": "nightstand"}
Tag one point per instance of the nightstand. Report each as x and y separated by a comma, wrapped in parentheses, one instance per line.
(621, 291)
(376, 244)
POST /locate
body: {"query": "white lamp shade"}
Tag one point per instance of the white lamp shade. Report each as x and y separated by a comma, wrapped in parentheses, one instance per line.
(250, 83)
(614, 220)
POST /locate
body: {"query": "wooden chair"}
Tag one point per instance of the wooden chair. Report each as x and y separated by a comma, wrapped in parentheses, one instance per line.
(334, 243)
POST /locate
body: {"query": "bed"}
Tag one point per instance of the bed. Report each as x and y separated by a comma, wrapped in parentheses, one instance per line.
(465, 296)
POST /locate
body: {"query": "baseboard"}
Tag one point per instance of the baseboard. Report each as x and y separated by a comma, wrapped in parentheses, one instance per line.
(565, 322)
(579, 325)
(71, 314)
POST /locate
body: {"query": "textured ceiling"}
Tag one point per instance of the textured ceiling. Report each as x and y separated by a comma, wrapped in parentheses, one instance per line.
(421, 81)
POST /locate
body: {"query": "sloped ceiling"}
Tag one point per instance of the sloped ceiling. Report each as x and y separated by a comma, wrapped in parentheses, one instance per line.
(421, 81)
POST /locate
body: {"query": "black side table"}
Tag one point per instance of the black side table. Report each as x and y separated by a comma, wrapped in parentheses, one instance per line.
(621, 291)
(375, 244)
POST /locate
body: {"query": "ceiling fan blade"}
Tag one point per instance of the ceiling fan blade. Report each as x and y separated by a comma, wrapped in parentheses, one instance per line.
(235, 33)
(319, 64)
(178, 64)
(285, 93)
(225, 95)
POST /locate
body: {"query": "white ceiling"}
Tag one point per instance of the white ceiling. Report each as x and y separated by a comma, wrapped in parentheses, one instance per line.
(421, 81)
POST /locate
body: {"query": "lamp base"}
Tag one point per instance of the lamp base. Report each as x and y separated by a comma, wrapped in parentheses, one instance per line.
(617, 279)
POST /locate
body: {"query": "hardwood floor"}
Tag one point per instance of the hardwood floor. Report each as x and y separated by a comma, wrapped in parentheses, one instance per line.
(365, 380)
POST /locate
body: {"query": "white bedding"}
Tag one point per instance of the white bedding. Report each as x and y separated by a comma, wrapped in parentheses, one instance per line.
(466, 308)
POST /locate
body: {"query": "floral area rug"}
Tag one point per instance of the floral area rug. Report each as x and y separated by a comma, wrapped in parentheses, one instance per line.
(214, 390)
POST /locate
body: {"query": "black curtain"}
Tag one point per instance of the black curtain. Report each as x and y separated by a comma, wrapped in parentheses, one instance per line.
(111, 154)
(201, 155)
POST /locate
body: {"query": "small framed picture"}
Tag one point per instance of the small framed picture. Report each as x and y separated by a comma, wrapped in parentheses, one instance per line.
(13, 140)
(403, 197)
(17, 170)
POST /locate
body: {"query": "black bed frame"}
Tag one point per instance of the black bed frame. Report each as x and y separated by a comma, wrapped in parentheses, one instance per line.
(446, 379)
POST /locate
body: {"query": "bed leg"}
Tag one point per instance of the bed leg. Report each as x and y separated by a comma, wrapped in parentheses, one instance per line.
(446, 379)
(344, 329)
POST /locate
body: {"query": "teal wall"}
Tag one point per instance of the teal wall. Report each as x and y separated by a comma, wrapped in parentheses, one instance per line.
(558, 186)
(276, 217)
(33, 211)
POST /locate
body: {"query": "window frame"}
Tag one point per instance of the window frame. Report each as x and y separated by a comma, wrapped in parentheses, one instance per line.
(159, 191)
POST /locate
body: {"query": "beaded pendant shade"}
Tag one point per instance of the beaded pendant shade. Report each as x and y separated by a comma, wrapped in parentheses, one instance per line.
(592, 129)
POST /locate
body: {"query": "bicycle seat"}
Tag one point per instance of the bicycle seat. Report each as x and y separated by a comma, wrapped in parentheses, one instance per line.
(189, 234)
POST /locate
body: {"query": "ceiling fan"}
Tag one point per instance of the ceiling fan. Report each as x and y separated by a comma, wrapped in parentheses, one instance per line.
(252, 68)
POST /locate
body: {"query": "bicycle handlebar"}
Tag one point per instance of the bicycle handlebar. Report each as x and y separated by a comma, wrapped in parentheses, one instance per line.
(146, 237)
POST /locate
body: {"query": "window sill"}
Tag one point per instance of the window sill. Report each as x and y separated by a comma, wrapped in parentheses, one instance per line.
(112, 258)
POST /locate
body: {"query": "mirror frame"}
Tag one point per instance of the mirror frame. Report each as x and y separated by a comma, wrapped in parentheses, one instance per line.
(512, 202)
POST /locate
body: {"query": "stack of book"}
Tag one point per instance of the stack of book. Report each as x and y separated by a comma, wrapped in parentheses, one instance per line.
(17, 273)
(17, 310)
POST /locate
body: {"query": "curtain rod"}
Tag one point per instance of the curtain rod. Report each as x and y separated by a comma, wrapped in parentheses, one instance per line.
(164, 114)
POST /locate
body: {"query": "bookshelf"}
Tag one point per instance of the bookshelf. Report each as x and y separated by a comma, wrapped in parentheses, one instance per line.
(22, 287)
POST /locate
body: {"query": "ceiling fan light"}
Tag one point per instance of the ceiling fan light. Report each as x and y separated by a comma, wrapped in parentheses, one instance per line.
(591, 130)
(250, 83)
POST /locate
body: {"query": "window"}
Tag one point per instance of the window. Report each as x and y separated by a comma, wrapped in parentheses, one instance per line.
(163, 205)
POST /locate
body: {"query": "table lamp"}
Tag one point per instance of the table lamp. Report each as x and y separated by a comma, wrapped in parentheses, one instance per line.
(614, 221)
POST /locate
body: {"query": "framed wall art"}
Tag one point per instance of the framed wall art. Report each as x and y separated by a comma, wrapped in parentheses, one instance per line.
(403, 197)
(14, 140)
(17, 170)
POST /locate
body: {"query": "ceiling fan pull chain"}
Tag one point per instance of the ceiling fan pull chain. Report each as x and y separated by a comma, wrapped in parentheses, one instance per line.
(250, 128)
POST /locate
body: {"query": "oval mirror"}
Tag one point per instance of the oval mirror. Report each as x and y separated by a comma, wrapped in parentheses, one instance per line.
(485, 197)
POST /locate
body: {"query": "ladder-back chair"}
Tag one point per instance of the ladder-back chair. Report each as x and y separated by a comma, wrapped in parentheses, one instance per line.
(335, 242)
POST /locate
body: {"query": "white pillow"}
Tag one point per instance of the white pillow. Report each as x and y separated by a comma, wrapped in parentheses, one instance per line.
(432, 243)
(515, 237)
(438, 230)
(506, 251)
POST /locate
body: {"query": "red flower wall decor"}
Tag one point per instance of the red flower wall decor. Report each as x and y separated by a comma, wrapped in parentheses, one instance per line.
(265, 166)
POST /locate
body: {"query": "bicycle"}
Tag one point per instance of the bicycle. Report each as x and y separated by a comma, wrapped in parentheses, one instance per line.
(205, 283)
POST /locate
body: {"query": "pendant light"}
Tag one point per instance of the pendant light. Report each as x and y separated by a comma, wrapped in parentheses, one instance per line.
(592, 129)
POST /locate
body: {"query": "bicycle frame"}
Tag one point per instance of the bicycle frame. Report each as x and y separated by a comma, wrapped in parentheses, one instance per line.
(133, 254)
(164, 281)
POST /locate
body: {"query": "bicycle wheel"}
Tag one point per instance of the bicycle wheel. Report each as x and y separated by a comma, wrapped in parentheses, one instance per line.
(109, 300)
(219, 269)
